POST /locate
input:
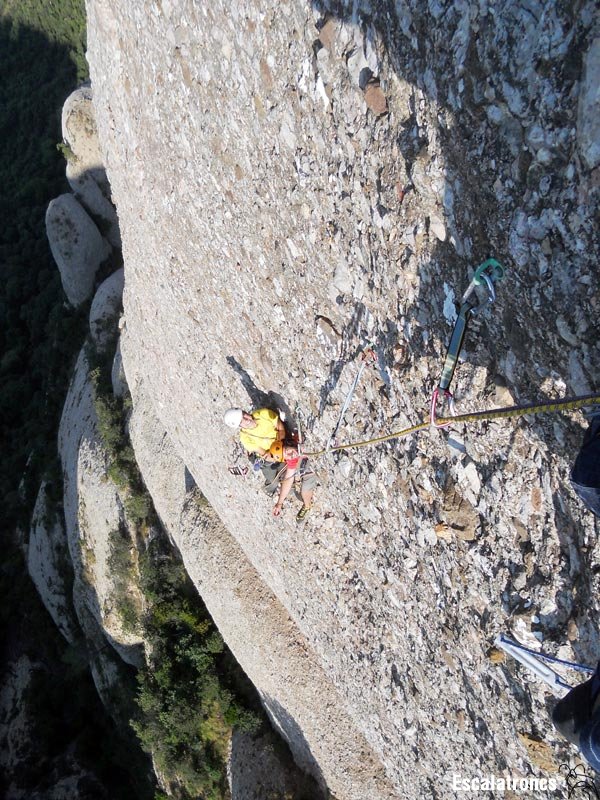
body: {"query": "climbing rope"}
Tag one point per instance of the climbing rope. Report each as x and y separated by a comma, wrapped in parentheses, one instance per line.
(567, 404)
(487, 273)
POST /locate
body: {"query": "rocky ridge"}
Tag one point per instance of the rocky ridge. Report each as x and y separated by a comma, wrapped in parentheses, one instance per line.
(293, 185)
(82, 227)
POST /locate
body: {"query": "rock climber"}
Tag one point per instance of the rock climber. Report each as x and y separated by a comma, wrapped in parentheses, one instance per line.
(577, 717)
(585, 475)
(286, 453)
(258, 430)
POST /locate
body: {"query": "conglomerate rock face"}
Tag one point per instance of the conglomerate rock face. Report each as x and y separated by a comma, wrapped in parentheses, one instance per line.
(296, 180)
(94, 510)
(77, 245)
(303, 704)
(85, 171)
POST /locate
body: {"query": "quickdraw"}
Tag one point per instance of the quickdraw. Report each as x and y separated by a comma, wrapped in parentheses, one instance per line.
(487, 273)
(238, 471)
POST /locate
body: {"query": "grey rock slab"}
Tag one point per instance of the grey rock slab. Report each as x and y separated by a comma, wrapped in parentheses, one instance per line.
(219, 311)
(588, 118)
(105, 307)
(85, 166)
(77, 246)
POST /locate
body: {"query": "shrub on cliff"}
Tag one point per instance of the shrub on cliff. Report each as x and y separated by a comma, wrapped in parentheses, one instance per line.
(192, 692)
(188, 696)
(122, 566)
(111, 413)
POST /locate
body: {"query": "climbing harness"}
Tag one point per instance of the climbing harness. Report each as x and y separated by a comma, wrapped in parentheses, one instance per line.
(367, 356)
(535, 663)
(487, 273)
(567, 404)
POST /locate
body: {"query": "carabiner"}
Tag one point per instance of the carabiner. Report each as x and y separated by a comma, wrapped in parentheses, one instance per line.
(497, 271)
(448, 396)
(489, 272)
(490, 286)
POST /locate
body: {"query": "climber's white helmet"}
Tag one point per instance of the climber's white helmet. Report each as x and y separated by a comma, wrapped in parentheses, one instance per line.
(233, 417)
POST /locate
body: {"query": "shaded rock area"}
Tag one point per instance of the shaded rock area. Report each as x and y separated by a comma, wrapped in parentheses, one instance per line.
(85, 169)
(62, 776)
(48, 565)
(77, 247)
(588, 121)
(105, 309)
(256, 771)
(93, 511)
(14, 712)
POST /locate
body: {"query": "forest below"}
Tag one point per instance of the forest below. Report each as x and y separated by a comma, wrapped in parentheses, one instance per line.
(43, 60)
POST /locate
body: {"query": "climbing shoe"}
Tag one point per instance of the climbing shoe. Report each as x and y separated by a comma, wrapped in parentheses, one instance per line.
(301, 515)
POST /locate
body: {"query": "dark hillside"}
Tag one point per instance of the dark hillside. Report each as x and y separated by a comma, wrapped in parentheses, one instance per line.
(41, 61)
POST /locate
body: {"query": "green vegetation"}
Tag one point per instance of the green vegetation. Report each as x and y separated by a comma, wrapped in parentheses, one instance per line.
(192, 692)
(42, 47)
(112, 413)
(122, 565)
(42, 60)
(66, 151)
(61, 23)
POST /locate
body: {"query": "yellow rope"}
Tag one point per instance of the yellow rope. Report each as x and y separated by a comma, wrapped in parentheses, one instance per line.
(568, 404)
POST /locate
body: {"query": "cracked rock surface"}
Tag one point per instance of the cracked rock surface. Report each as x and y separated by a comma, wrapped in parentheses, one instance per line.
(298, 180)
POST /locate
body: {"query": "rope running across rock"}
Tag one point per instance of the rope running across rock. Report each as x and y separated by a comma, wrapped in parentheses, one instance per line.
(567, 404)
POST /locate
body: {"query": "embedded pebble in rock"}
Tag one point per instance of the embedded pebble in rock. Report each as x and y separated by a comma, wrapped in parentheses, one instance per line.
(437, 227)
(375, 99)
(470, 478)
(273, 225)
